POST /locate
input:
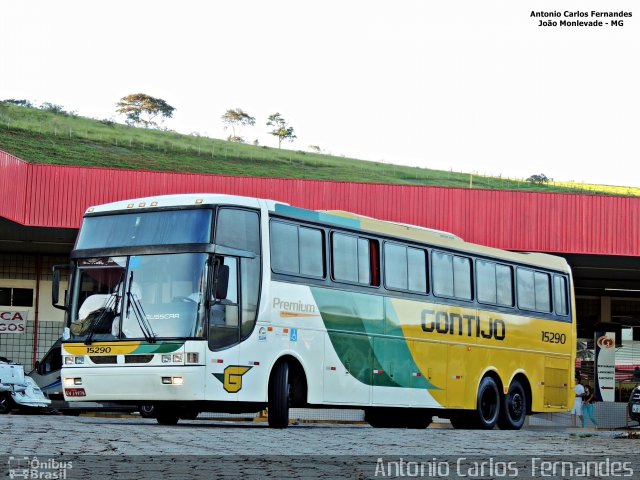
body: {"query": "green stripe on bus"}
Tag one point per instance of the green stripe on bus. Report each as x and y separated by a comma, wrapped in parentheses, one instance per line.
(314, 216)
(355, 324)
(160, 347)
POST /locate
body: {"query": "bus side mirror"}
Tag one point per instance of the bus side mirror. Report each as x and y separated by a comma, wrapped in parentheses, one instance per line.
(55, 287)
(222, 282)
(36, 366)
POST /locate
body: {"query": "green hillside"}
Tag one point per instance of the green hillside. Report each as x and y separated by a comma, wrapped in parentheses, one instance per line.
(41, 136)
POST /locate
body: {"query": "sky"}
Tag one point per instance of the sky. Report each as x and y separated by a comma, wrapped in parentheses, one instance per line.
(467, 85)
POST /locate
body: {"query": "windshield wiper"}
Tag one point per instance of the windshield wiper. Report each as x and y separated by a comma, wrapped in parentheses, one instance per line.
(138, 312)
(108, 311)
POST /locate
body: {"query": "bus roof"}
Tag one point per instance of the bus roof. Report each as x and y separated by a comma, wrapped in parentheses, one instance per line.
(451, 241)
(182, 200)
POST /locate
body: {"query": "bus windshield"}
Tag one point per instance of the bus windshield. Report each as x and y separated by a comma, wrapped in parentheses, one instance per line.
(139, 297)
(145, 228)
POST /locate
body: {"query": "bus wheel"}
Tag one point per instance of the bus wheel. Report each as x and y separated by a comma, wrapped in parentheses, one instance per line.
(514, 408)
(147, 410)
(488, 406)
(167, 416)
(420, 421)
(278, 402)
(381, 418)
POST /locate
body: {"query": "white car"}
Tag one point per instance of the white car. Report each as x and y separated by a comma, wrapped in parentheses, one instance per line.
(18, 390)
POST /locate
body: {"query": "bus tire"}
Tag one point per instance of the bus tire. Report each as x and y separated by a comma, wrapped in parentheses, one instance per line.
(514, 407)
(488, 405)
(420, 421)
(167, 416)
(279, 393)
(189, 414)
(379, 417)
(147, 410)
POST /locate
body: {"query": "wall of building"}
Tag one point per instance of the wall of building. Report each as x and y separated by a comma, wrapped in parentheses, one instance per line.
(57, 196)
(44, 323)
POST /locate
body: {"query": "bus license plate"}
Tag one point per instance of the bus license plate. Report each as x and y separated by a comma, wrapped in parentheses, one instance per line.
(635, 408)
(75, 392)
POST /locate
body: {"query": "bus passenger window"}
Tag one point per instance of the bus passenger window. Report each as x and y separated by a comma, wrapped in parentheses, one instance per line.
(495, 283)
(352, 259)
(451, 275)
(462, 277)
(526, 293)
(296, 250)
(395, 266)
(560, 295)
(405, 268)
(534, 291)
(543, 292)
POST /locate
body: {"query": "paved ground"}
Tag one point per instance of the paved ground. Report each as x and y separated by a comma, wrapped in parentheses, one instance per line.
(315, 450)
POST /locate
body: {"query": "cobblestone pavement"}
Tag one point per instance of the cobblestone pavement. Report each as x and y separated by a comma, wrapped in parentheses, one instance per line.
(189, 442)
(52, 434)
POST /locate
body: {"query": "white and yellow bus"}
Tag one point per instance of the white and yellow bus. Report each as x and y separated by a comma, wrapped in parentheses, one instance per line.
(232, 304)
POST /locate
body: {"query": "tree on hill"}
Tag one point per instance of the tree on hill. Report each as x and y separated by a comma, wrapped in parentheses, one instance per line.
(237, 118)
(539, 179)
(142, 109)
(281, 129)
(19, 103)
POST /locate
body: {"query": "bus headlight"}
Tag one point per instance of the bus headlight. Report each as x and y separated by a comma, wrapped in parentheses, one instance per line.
(73, 360)
(172, 380)
(70, 382)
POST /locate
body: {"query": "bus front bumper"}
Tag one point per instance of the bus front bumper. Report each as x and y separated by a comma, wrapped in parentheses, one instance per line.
(125, 384)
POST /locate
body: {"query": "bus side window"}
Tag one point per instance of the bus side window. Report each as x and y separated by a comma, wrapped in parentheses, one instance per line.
(224, 321)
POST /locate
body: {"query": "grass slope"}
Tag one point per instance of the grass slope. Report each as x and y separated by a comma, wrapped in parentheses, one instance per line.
(41, 136)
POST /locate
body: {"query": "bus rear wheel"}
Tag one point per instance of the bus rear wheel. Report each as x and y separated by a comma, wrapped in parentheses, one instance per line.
(279, 396)
(514, 408)
(488, 405)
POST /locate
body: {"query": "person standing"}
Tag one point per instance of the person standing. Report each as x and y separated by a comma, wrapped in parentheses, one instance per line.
(587, 406)
(577, 403)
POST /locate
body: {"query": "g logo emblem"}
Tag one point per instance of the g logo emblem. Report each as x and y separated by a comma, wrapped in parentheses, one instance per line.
(232, 377)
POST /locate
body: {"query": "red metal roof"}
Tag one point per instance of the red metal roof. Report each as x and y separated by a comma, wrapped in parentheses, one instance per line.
(57, 196)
